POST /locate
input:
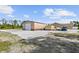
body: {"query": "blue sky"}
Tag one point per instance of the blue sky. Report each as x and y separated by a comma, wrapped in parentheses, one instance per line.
(41, 13)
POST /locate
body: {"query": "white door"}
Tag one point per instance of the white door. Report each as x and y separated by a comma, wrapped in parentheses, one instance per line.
(27, 26)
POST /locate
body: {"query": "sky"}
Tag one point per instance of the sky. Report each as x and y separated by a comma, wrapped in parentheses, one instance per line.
(41, 13)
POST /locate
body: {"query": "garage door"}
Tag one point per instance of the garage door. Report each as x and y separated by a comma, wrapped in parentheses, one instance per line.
(28, 27)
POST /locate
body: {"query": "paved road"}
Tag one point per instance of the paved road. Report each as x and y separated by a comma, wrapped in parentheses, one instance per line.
(31, 34)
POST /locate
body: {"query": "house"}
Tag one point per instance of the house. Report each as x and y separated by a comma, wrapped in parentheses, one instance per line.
(31, 25)
(67, 25)
(50, 27)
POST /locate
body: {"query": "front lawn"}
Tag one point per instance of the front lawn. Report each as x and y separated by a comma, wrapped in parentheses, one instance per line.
(4, 46)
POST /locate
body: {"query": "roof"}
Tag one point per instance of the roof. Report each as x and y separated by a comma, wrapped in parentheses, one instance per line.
(68, 25)
(32, 22)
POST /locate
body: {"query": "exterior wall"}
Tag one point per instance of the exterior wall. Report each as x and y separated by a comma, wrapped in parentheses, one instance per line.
(38, 26)
(49, 27)
(32, 25)
(53, 27)
(74, 28)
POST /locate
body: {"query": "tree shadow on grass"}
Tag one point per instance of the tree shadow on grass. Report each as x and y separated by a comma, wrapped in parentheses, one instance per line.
(52, 45)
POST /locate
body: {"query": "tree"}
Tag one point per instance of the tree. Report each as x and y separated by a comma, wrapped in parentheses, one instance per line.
(10, 24)
(4, 21)
(15, 22)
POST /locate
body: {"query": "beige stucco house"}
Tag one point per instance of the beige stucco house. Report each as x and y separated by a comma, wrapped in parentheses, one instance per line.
(59, 26)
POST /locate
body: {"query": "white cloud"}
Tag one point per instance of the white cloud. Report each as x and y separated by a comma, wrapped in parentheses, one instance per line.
(65, 21)
(35, 12)
(58, 13)
(26, 16)
(6, 9)
(62, 12)
(48, 12)
(11, 16)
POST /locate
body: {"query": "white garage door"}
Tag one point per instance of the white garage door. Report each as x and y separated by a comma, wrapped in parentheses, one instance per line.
(28, 27)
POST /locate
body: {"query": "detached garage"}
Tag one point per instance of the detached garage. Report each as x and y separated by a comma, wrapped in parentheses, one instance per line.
(31, 25)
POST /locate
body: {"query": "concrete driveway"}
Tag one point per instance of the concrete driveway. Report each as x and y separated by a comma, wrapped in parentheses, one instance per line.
(32, 34)
(27, 34)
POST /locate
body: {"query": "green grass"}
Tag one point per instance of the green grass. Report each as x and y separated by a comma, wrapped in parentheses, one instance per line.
(4, 46)
(66, 35)
(62, 34)
(7, 40)
(8, 36)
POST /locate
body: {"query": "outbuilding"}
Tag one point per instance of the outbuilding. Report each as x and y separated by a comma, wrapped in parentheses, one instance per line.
(31, 25)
